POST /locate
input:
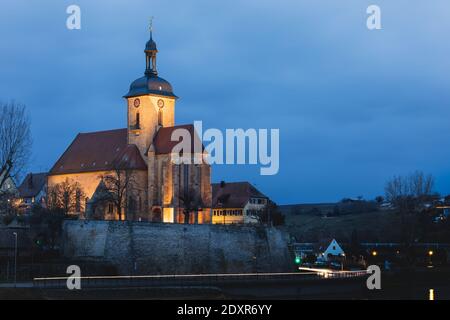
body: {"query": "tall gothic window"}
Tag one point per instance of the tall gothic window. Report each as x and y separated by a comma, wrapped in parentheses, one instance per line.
(186, 179)
(137, 120)
(78, 201)
(160, 117)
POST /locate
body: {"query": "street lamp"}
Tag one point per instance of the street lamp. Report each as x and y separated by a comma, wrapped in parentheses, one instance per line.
(430, 255)
(15, 259)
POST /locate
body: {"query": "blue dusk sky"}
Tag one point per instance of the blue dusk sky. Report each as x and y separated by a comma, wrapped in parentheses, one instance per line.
(354, 106)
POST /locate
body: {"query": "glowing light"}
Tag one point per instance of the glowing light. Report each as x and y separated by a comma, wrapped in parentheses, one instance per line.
(374, 253)
(430, 253)
(431, 294)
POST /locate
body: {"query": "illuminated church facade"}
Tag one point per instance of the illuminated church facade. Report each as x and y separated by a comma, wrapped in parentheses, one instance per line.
(156, 189)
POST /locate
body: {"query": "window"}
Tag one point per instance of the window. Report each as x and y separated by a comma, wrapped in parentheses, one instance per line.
(138, 120)
(110, 208)
(160, 117)
(131, 204)
(78, 201)
(186, 179)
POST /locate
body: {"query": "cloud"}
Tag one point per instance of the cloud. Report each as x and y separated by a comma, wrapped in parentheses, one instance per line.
(353, 106)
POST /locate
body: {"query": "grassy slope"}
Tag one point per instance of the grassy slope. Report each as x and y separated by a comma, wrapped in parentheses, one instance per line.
(373, 226)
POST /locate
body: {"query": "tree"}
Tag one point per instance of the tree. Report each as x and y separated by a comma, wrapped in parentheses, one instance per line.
(49, 221)
(191, 203)
(413, 189)
(121, 186)
(379, 199)
(66, 195)
(271, 214)
(408, 194)
(15, 140)
(7, 202)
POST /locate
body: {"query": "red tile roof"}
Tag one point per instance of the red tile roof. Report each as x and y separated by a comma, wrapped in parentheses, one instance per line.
(99, 151)
(233, 194)
(163, 140)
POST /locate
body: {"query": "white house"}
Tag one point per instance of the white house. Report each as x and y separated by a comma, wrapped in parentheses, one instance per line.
(329, 249)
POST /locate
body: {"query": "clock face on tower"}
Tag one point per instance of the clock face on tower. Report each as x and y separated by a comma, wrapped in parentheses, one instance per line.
(160, 103)
(136, 102)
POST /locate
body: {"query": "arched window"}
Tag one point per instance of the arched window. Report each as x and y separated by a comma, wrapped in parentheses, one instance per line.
(160, 117)
(137, 120)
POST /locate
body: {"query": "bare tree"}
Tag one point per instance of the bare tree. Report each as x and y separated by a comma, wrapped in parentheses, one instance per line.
(15, 140)
(408, 194)
(191, 203)
(67, 196)
(120, 185)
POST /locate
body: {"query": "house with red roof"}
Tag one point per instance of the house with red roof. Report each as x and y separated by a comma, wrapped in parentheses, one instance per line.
(237, 203)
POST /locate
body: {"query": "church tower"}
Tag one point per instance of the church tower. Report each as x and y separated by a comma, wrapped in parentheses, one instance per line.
(175, 193)
(150, 102)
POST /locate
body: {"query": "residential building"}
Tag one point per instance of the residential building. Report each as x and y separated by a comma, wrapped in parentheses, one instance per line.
(32, 190)
(329, 249)
(237, 202)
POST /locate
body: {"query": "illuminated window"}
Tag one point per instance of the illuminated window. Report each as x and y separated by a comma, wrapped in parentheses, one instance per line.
(138, 120)
(160, 117)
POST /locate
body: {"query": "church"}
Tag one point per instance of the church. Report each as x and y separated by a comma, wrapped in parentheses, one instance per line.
(129, 173)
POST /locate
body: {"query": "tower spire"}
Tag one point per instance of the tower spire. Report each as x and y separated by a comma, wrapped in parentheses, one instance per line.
(150, 53)
(151, 27)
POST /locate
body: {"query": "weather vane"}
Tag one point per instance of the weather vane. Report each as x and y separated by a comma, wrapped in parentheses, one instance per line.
(151, 25)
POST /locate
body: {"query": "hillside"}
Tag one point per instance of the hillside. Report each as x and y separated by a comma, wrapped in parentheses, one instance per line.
(308, 223)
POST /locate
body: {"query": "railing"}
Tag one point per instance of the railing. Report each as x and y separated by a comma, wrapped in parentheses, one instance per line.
(193, 280)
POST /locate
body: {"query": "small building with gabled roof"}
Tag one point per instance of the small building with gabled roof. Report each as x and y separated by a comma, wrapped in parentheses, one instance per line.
(237, 202)
(32, 190)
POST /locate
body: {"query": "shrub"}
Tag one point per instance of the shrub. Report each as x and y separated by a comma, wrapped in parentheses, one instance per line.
(7, 219)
